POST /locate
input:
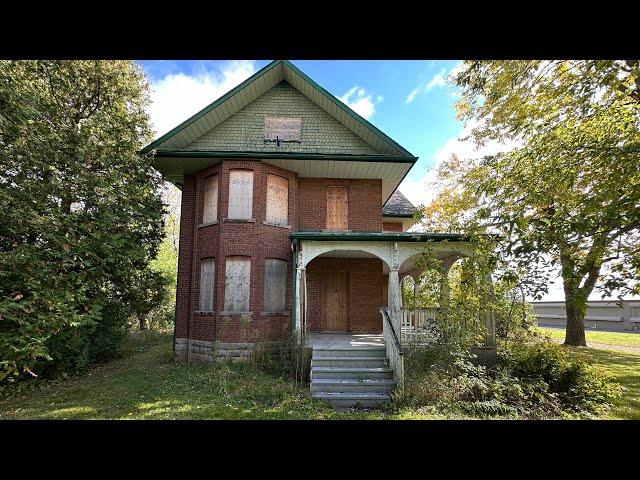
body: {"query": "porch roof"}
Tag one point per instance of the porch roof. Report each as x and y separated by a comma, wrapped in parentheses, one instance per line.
(380, 236)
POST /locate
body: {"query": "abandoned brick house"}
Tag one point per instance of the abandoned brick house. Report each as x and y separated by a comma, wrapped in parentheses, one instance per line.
(290, 219)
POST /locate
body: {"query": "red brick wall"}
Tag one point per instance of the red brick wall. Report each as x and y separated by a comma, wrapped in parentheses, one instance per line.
(391, 226)
(365, 200)
(364, 297)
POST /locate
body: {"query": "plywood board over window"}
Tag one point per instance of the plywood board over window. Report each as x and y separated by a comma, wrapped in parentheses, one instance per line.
(210, 211)
(207, 282)
(337, 208)
(240, 194)
(275, 285)
(236, 285)
(277, 200)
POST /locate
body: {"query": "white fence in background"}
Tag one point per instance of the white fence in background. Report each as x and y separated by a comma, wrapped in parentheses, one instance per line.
(612, 315)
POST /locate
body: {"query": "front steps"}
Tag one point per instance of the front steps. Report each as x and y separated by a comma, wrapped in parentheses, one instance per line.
(351, 377)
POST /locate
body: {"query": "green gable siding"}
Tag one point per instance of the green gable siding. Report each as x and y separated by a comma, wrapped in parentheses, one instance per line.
(244, 131)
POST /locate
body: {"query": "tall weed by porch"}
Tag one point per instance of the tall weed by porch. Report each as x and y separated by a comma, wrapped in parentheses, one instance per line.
(283, 358)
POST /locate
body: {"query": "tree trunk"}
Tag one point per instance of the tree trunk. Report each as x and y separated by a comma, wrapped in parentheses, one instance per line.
(576, 309)
(142, 322)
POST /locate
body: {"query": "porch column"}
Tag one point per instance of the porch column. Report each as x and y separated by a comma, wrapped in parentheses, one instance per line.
(301, 301)
(394, 299)
(490, 319)
(445, 294)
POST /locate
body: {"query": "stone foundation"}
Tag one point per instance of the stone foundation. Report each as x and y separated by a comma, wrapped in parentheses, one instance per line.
(204, 351)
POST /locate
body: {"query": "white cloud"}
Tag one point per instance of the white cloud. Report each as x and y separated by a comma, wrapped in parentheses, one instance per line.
(438, 80)
(422, 190)
(176, 97)
(362, 103)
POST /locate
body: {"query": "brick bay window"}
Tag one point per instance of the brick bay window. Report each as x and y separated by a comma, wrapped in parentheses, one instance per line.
(240, 196)
(277, 201)
(210, 210)
(275, 286)
(237, 281)
(207, 285)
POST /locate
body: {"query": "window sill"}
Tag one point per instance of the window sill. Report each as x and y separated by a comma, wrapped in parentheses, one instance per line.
(200, 313)
(324, 230)
(239, 220)
(236, 313)
(276, 225)
(275, 314)
(208, 224)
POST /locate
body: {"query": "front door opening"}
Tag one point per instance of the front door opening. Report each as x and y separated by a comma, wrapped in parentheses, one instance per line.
(335, 301)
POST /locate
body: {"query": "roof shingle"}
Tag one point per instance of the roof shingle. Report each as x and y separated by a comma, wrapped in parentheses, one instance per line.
(398, 206)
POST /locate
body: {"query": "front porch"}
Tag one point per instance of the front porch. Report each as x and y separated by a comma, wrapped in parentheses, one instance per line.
(400, 255)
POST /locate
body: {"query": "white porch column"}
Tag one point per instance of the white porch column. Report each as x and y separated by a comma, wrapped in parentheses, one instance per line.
(490, 319)
(445, 294)
(301, 298)
(394, 299)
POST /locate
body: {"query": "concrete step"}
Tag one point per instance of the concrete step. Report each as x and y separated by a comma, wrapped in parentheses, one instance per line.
(375, 352)
(353, 399)
(332, 385)
(372, 362)
(350, 373)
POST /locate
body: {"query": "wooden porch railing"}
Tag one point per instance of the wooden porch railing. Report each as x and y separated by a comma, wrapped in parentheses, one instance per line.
(394, 349)
(416, 324)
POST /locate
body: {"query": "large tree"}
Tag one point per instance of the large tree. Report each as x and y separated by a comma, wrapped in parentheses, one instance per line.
(566, 196)
(81, 211)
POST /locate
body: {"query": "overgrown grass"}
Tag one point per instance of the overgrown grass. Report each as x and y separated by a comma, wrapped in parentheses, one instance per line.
(604, 338)
(145, 383)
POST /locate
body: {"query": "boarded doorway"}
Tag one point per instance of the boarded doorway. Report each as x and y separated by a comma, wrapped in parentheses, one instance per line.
(335, 301)
(337, 208)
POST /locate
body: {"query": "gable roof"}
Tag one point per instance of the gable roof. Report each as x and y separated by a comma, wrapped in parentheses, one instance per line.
(256, 85)
(398, 206)
(174, 159)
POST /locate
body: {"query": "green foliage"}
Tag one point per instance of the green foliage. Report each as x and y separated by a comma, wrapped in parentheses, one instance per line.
(529, 380)
(82, 214)
(578, 385)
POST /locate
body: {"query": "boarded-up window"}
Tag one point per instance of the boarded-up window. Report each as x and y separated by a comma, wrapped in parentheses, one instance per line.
(337, 208)
(210, 212)
(275, 285)
(236, 284)
(207, 282)
(277, 200)
(240, 194)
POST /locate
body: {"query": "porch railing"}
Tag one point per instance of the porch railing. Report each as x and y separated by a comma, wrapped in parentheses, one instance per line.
(394, 349)
(416, 324)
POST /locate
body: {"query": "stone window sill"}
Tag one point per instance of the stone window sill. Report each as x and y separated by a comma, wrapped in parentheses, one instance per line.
(201, 313)
(239, 220)
(208, 224)
(274, 314)
(324, 230)
(276, 225)
(236, 313)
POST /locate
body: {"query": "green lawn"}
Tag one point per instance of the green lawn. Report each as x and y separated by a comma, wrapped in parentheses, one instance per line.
(146, 384)
(604, 338)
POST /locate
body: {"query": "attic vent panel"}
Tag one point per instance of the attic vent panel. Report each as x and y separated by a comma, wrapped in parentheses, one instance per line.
(282, 129)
